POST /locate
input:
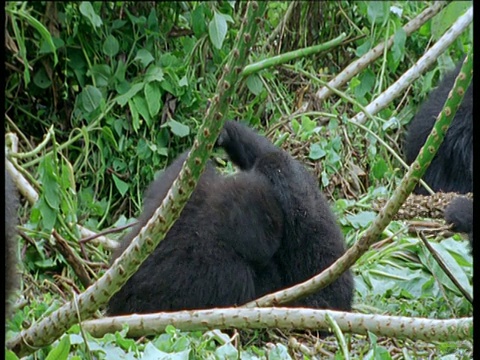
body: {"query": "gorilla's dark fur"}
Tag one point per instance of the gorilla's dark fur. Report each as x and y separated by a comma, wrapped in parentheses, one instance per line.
(239, 237)
(452, 168)
(11, 273)
(460, 213)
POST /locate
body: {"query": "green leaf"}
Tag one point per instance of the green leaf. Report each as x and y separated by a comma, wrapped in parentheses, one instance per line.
(101, 73)
(227, 352)
(108, 134)
(308, 125)
(413, 286)
(398, 47)
(217, 29)
(254, 84)
(361, 219)
(123, 99)
(152, 20)
(295, 126)
(142, 108)
(47, 263)
(279, 352)
(120, 72)
(451, 264)
(61, 351)
(443, 20)
(379, 168)
(42, 30)
(154, 73)
(378, 11)
(51, 189)
(199, 24)
(316, 152)
(45, 47)
(333, 157)
(111, 46)
(325, 180)
(144, 56)
(153, 97)
(178, 128)
(135, 116)
(86, 9)
(91, 98)
(41, 79)
(183, 81)
(10, 355)
(121, 185)
(362, 49)
(367, 80)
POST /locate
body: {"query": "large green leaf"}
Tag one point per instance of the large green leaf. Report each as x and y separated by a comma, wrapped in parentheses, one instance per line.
(153, 97)
(217, 29)
(87, 10)
(61, 351)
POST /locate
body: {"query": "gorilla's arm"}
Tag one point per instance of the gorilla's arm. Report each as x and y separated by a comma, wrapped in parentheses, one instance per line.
(291, 181)
(243, 145)
(460, 213)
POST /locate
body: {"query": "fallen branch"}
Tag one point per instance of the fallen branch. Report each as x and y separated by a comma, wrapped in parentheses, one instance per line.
(398, 87)
(285, 318)
(358, 65)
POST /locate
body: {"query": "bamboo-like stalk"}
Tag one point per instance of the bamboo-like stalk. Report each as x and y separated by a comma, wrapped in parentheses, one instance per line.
(285, 318)
(291, 55)
(399, 86)
(50, 328)
(358, 65)
(386, 214)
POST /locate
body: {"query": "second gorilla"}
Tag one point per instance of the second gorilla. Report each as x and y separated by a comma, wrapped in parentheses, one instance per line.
(239, 237)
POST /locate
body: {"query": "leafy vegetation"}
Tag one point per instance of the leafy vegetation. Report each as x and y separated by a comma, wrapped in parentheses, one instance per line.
(103, 95)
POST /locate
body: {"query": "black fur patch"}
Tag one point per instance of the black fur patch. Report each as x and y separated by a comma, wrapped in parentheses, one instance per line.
(239, 237)
(452, 167)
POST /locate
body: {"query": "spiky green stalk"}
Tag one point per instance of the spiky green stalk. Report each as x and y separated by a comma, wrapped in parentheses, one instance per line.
(292, 55)
(50, 328)
(386, 214)
(286, 318)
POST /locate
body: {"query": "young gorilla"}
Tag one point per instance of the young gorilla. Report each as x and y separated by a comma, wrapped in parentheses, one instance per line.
(311, 240)
(452, 168)
(460, 213)
(11, 275)
(238, 237)
(226, 235)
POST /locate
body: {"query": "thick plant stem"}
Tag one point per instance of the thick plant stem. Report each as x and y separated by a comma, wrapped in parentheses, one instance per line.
(291, 55)
(386, 214)
(286, 318)
(50, 328)
(358, 65)
(399, 86)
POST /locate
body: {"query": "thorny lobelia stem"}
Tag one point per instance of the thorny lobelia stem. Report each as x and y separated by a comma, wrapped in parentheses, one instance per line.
(409, 181)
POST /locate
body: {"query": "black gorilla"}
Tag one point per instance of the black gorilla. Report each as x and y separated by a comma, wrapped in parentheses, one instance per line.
(11, 206)
(460, 213)
(452, 167)
(239, 237)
